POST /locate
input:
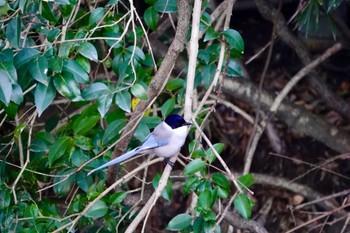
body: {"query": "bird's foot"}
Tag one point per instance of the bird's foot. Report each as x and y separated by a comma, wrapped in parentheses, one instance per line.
(167, 161)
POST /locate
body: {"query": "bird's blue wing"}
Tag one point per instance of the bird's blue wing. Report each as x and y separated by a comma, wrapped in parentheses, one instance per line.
(150, 143)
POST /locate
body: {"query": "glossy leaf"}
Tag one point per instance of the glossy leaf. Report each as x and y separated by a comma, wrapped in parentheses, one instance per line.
(13, 32)
(94, 91)
(210, 34)
(63, 188)
(56, 64)
(179, 222)
(246, 181)
(65, 49)
(221, 180)
(47, 12)
(17, 94)
(78, 72)
(234, 39)
(38, 69)
(243, 205)
(98, 210)
(123, 100)
(43, 96)
(59, 148)
(25, 56)
(194, 166)
(96, 16)
(112, 132)
(10, 70)
(234, 69)
(67, 86)
(84, 63)
(205, 200)
(142, 131)
(175, 84)
(5, 88)
(88, 50)
(139, 91)
(167, 107)
(104, 103)
(151, 17)
(84, 124)
(117, 198)
(166, 6)
(210, 155)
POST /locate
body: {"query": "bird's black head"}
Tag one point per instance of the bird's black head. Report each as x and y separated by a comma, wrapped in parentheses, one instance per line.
(175, 121)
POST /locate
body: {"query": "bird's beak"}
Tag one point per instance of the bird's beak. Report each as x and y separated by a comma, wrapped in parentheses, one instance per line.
(188, 123)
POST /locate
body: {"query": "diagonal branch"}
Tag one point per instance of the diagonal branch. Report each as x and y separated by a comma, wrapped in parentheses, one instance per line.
(156, 85)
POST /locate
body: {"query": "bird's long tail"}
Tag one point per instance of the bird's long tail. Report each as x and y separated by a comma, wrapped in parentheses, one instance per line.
(117, 160)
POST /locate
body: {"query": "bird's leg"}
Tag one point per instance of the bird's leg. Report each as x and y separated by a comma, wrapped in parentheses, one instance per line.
(167, 161)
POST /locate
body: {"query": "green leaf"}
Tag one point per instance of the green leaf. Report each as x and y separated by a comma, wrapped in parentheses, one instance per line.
(168, 107)
(205, 200)
(167, 192)
(59, 148)
(96, 16)
(246, 181)
(112, 2)
(98, 210)
(83, 125)
(117, 198)
(142, 131)
(88, 50)
(83, 181)
(67, 86)
(5, 88)
(56, 64)
(17, 94)
(112, 132)
(179, 222)
(43, 96)
(151, 17)
(204, 56)
(5, 197)
(166, 6)
(194, 166)
(175, 84)
(63, 188)
(25, 56)
(123, 100)
(79, 157)
(78, 72)
(221, 180)
(47, 12)
(198, 225)
(39, 69)
(13, 32)
(234, 69)
(94, 91)
(84, 62)
(65, 49)
(222, 192)
(211, 34)
(104, 103)
(205, 21)
(243, 205)
(139, 91)
(210, 156)
(235, 40)
(84, 143)
(10, 70)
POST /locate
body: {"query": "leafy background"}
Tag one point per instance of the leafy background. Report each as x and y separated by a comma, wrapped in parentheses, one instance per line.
(72, 72)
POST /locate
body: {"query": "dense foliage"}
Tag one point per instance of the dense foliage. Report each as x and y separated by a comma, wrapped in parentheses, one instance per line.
(71, 73)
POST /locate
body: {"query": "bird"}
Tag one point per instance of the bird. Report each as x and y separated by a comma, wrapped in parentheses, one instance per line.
(165, 141)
